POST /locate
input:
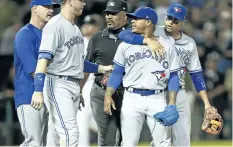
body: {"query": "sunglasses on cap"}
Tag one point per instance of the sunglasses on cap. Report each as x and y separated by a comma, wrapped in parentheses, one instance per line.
(174, 20)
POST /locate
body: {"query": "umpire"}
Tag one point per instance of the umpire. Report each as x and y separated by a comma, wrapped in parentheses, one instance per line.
(101, 50)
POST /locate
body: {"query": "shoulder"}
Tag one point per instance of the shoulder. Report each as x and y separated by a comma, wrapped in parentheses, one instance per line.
(125, 46)
(167, 43)
(24, 34)
(187, 39)
(54, 23)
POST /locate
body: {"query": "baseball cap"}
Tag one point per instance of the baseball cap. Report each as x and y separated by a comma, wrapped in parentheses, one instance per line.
(55, 3)
(177, 10)
(145, 13)
(116, 6)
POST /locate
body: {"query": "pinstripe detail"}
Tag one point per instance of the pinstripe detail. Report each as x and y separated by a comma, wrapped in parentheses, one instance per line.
(58, 112)
(118, 63)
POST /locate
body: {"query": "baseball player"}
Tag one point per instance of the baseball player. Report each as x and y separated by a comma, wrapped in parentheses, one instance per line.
(186, 49)
(26, 47)
(145, 80)
(61, 57)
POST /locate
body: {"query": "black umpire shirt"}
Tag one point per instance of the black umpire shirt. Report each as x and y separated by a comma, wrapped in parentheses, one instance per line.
(102, 47)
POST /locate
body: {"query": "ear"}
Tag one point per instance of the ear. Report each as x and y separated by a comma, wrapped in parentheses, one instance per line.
(148, 23)
(33, 9)
(70, 2)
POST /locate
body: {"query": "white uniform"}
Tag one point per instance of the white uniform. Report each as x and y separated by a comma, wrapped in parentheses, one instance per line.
(86, 114)
(187, 51)
(61, 90)
(142, 71)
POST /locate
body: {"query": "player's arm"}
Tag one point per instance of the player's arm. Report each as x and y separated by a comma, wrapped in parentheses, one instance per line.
(24, 46)
(49, 44)
(196, 73)
(173, 87)
(132, 38)
(90, 67)
(113, 83)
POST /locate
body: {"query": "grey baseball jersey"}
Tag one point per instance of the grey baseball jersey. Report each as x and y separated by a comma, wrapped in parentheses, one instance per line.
(65, 42)
(186, 49)
(142, 70)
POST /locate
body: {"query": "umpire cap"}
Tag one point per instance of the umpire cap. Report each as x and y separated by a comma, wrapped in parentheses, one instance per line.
(55, 3)
(116, 6)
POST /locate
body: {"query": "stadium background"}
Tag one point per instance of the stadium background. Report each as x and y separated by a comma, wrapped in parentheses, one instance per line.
(209, 22)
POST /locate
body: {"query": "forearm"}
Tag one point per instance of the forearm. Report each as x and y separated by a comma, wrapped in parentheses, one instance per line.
(90, 67)
(172, 97)
(109, 91)
(204, 97)
(173, 87)
(42, 66)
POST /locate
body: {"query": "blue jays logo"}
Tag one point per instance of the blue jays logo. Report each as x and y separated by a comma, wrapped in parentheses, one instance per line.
(177, 9)
(183, 71)
(159, 74)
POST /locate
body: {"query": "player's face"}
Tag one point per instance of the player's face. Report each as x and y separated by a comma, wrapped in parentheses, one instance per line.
(172, 24)
(78, 6)
(44, 13)
(138, 25)
(115, 20)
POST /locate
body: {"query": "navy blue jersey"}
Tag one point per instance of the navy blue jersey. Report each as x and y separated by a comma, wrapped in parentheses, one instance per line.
(26, 49)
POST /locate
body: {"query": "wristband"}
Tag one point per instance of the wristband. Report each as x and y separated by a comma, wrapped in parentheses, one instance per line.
(39, 81)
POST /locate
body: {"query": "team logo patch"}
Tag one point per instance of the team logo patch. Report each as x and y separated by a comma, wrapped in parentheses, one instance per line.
(159, 74)
(183, 71)
(111, 4)
(177, 9)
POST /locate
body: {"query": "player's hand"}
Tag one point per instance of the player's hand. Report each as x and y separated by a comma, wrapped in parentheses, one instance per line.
(105, 69)
(37, 100)
(81, 103)
(108, 103)
(155, 45)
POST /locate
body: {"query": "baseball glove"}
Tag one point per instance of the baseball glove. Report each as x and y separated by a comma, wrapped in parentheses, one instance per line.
(169, 116)
(212, 123)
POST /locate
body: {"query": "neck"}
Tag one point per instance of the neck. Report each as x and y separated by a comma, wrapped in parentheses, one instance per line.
(148, 34)
(176, 35)
(65, 12)
(35, 21)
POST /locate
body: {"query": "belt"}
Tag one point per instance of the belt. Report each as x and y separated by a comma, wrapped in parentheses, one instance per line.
(68, 78)
(143, 92)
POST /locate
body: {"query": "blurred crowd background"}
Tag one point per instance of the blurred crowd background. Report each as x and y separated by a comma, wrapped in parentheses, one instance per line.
(209, 23)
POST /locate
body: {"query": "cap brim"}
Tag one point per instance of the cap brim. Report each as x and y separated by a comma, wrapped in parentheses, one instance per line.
(56, 5)
(131, 15)
(112, 11)
(172, 15)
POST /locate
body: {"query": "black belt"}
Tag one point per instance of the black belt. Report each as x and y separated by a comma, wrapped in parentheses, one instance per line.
(68, 78)
(144, 92)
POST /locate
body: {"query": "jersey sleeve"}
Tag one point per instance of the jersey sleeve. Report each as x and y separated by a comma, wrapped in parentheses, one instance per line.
(90, 50)
(175, 61)
(50, 39)
(194, 64)
(120, 55)
(25, 49)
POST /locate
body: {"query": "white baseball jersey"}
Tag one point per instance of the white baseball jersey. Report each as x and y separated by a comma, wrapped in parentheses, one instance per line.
(65, 42)
(142, 70)
(186, 49)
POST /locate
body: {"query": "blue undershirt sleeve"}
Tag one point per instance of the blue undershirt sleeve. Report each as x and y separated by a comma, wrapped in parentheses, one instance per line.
(116, 76)
(173, 82)
(198, 81)
(90, 67)
(129, 37)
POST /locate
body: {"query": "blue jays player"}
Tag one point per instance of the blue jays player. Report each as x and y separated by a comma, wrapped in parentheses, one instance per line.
(26, 47)
(145, 80)
(186, 49)
(61, 57)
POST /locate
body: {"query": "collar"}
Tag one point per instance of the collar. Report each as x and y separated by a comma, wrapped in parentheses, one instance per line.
(107, 33)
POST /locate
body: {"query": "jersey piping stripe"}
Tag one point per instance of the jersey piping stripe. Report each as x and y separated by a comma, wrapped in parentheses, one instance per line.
(175, 70)
(118, 63)
(58, 112)
(45, 51)
(194, 71)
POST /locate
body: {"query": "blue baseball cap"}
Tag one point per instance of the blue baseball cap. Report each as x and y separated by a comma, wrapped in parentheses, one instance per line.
(55, 3)
(145, 13)
(177, 11)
